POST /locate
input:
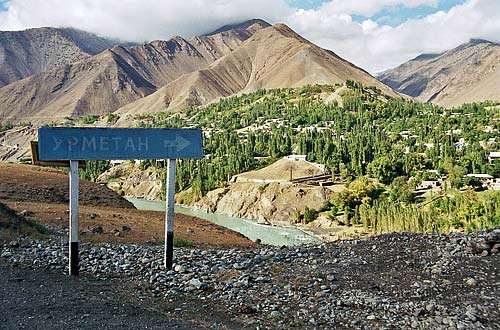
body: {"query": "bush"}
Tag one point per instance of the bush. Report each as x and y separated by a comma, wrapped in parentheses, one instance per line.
(5, 127)
(327, 205)
(90, 119)
(309, 215)
(183, 242)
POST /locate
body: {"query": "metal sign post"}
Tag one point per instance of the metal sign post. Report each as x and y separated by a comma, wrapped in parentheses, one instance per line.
(73, 217)
(169, 215)
(76, 143)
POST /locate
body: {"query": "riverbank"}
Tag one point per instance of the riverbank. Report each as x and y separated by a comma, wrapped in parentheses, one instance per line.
(397, 281)
(264, 233)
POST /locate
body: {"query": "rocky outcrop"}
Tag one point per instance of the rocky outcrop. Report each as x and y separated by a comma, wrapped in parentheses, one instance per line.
(273, 203)
(270, 203)
(129, 180)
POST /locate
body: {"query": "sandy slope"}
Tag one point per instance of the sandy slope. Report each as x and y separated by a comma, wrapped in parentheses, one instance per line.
(44, 193)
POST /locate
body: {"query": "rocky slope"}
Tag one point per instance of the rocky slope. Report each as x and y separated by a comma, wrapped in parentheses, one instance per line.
(400, 281)
(274, 57)
(273, 203)
(467, 73)
(15, 143)
(113, 78)
(29, 52)
(129, 179)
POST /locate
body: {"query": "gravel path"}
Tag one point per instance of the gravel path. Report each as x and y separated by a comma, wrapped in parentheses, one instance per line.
(45, 299)
(393, 281)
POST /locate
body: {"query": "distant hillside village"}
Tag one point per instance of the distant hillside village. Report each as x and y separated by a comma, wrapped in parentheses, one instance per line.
(297, 169)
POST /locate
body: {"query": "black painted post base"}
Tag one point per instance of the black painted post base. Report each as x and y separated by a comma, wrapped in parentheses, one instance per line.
(73, 259)
(170, 250)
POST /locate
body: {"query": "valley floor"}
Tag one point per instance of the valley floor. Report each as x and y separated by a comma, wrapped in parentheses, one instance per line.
(392, 281)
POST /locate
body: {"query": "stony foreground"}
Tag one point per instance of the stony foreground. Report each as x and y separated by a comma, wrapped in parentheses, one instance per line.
(392, 281)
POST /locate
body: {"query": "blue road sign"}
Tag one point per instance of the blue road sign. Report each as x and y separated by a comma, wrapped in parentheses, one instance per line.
(78, 143)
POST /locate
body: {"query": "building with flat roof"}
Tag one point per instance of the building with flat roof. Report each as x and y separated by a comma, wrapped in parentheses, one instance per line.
(494, 155)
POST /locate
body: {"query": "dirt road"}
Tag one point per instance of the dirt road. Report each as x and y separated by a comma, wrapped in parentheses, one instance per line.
(49, 300)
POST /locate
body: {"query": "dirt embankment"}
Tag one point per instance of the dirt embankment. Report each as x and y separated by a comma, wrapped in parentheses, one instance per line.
(27, 183)
(265, 195)
(274, 203)
(129, 179)
(42, 195)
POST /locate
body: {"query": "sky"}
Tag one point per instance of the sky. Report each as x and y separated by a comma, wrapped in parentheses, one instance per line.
(373, 34)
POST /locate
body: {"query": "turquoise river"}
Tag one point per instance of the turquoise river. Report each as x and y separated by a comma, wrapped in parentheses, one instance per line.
(272, 235)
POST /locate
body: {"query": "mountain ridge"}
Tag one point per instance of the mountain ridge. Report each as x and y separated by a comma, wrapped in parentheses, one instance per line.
(102, 83)
(171, 74)
(239, 26)
(467, 73)
(274, 57)
(32, 51)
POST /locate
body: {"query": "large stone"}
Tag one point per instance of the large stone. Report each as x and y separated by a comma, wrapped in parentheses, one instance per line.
(196, 283)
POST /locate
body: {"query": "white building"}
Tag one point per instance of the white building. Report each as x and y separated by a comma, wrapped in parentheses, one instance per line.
(494, 155)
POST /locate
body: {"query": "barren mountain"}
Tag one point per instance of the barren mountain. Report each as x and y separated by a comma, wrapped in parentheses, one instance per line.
(274, 57)
(115, 77)
(29, 52)
(470, 72)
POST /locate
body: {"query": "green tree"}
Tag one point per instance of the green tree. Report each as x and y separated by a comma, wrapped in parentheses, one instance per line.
(382, 169)
(400, 190)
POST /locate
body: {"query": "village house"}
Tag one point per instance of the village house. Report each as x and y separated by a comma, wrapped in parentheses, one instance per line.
(428, 184)
(494, 184)
(493, 156)
(460, 144)
(488, 181)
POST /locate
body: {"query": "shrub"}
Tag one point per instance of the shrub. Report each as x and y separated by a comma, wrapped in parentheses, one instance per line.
(309, 215)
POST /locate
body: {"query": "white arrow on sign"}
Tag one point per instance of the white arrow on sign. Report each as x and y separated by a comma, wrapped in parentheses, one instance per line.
(179, 143)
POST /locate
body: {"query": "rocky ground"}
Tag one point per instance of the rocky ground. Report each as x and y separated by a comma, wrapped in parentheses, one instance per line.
(393, 281)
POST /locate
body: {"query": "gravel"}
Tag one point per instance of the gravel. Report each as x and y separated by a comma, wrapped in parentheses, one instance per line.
(391, 281)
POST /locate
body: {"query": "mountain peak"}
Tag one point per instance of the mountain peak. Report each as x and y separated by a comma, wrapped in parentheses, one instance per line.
(473, 41)
(466, 73)
(286, 31)
(425, 57)
(253, 24)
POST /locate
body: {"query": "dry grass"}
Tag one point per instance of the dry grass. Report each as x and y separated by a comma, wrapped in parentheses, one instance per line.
(13, 226)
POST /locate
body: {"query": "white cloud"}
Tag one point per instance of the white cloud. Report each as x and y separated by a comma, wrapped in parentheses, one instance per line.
(377, 47)
(139, 20)
(368, 44)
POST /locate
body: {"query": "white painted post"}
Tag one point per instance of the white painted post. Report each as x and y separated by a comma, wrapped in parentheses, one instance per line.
(73, 217)
(169, 214)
